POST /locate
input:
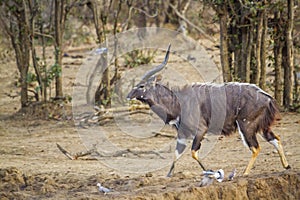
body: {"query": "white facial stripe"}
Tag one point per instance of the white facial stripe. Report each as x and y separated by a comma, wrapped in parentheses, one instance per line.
(241, 134)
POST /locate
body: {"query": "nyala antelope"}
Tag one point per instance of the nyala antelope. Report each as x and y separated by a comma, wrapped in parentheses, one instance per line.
(197, 109)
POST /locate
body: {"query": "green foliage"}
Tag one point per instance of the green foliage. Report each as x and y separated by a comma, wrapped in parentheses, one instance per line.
(30, 78)
(54, 71)
(105, 102)
(68, 98)
(138, 57)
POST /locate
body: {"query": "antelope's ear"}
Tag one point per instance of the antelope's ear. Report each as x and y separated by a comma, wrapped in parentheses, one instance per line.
(158, 78)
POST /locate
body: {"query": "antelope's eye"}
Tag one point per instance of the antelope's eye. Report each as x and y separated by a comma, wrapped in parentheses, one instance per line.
(142, 86)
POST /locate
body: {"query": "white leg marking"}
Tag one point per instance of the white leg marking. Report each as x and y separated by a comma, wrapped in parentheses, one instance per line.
(175, 122)
(275, 143)
(181, 141)
(177, 155)
(241, 134)
(279, 148)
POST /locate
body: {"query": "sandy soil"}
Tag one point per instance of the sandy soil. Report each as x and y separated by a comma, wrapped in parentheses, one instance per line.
(32, 167)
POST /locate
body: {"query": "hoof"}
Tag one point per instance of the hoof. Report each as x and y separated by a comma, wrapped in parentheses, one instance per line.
(288, 167)
(246, 174)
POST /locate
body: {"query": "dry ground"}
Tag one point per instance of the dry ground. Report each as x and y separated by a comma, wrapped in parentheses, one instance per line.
(31, 166)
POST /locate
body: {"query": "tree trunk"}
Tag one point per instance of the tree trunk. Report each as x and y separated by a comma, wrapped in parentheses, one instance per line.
(140, 20)
(289, 64)
(278, 74)
(262, 80)
(257, 66)
(59, 26)
(44, 65)
(103, 92)
(94, 8)
(223, 15)
(33, 9)
(19, 34)
(278, 47)
(105, 83)
(247, 38)
(248, 53)
(243, 66)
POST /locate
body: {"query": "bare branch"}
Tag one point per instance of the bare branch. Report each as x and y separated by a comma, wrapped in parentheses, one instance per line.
(191, 24)
(186, 7)
(161, 134)
(125, 24)
(44, 35)
(65, 152)
(119, 153)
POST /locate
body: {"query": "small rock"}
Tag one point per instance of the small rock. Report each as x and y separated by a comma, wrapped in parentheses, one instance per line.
(149, 174)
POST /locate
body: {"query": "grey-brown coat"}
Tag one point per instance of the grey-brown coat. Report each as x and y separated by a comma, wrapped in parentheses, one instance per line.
(198, 109)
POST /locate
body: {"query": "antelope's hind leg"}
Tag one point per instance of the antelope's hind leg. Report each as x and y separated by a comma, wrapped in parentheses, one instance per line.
(275, 141)
(255, 151)
(250, 140)
(195, 147)
(180, 147)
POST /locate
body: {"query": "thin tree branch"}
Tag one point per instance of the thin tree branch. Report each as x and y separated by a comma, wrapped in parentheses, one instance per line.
(65, 152)
(124, 25)
(119, 153)
(186, 7)
(191, 24)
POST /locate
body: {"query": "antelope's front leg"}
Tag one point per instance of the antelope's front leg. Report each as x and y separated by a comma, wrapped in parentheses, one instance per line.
(195, 147)
(180, 147)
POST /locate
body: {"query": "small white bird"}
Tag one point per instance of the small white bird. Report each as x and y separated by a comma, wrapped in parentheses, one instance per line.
(210, 175)
(219, 175)
(232, 174)
(103, 189)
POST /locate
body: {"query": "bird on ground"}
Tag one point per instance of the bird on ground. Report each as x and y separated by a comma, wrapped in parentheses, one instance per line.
(218, 175)
(103, 189)
(210, 175)
(232, 174)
